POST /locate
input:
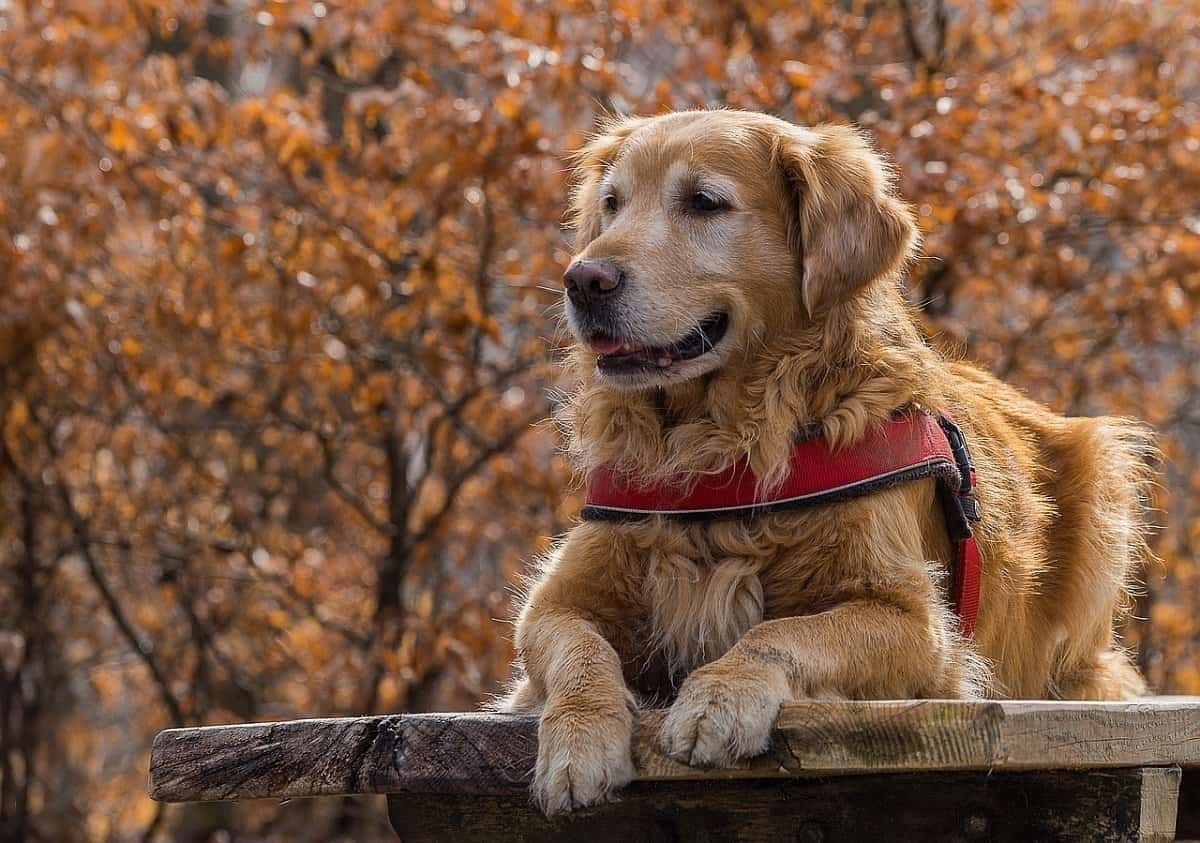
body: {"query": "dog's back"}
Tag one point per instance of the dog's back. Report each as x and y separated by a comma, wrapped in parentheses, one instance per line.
(1069, 496)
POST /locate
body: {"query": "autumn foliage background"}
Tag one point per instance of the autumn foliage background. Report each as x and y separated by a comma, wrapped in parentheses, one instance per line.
(278, 296)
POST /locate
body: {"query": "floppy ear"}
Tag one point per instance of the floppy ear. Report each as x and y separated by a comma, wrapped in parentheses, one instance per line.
(590, 163)
(845, 223)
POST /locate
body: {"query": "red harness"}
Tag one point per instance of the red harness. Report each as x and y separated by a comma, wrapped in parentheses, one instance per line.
(913, 445)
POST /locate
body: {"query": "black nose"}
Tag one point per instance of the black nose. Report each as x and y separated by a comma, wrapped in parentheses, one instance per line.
(588, 281)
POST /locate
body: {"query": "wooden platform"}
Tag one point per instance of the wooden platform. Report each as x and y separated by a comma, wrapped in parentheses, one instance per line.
(841, 770)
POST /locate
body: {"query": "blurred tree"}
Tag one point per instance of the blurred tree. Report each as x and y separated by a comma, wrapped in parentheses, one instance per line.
(275, 304)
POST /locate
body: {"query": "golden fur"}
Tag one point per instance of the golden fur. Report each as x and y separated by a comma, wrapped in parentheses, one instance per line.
(726, 620)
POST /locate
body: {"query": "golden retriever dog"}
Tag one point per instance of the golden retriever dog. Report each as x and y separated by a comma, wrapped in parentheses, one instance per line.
(737, 281)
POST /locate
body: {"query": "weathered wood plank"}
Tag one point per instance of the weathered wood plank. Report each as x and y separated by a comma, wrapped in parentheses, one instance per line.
(1160, 804)
(489, 753)
(857, 737)
(319, 757)
(1110, 805)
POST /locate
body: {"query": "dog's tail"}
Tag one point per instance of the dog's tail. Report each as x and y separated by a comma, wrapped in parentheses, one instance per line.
(1128, 458)
(1116, 471)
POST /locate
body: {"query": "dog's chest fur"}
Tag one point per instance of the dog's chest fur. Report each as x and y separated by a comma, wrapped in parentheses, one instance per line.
(699, 609)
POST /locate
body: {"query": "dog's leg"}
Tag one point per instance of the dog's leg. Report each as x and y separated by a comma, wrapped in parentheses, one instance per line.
(586, 730)
(1109, 676)
(865, 648)
(519, 698)
(573, 672)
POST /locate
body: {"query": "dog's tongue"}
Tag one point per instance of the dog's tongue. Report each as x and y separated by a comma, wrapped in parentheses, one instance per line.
(608, 345)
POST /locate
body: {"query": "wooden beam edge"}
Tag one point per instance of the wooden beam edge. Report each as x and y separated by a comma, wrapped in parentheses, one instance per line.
(492, 753)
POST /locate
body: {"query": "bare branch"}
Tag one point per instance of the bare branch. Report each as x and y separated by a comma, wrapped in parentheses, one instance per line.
(141, 647)
(469, 471)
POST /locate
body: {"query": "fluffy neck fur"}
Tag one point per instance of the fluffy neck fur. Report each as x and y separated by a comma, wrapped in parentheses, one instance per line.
(850, 369)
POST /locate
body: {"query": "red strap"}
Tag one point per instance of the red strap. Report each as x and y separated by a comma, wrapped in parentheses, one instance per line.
(966, 584)
(907, 442)
(907, 447)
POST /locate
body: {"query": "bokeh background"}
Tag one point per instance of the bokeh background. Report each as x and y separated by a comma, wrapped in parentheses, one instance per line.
(278, 298)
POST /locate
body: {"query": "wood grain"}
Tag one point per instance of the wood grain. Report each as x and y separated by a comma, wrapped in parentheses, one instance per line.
(319, 757)
(1160, 804)
(492, 753)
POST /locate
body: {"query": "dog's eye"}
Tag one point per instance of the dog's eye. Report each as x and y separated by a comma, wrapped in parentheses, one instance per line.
(611, 203)
(703, 202)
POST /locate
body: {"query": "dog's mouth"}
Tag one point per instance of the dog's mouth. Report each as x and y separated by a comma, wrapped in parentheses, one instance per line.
(618, 356)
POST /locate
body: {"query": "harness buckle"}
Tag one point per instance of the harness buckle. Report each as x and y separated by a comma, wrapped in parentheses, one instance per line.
(970, 507)
(962, 456)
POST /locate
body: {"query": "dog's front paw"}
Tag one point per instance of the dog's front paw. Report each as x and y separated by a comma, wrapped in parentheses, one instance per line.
(584, 754)
(721, 717)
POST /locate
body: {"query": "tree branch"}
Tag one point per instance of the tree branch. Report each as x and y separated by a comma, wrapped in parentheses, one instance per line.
(470, 470)
(141, 647)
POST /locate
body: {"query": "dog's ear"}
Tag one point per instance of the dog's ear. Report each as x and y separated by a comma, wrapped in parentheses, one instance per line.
(590, 163)
(845, 222)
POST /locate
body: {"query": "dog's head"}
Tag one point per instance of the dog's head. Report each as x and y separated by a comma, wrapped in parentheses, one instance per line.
(703, 234)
